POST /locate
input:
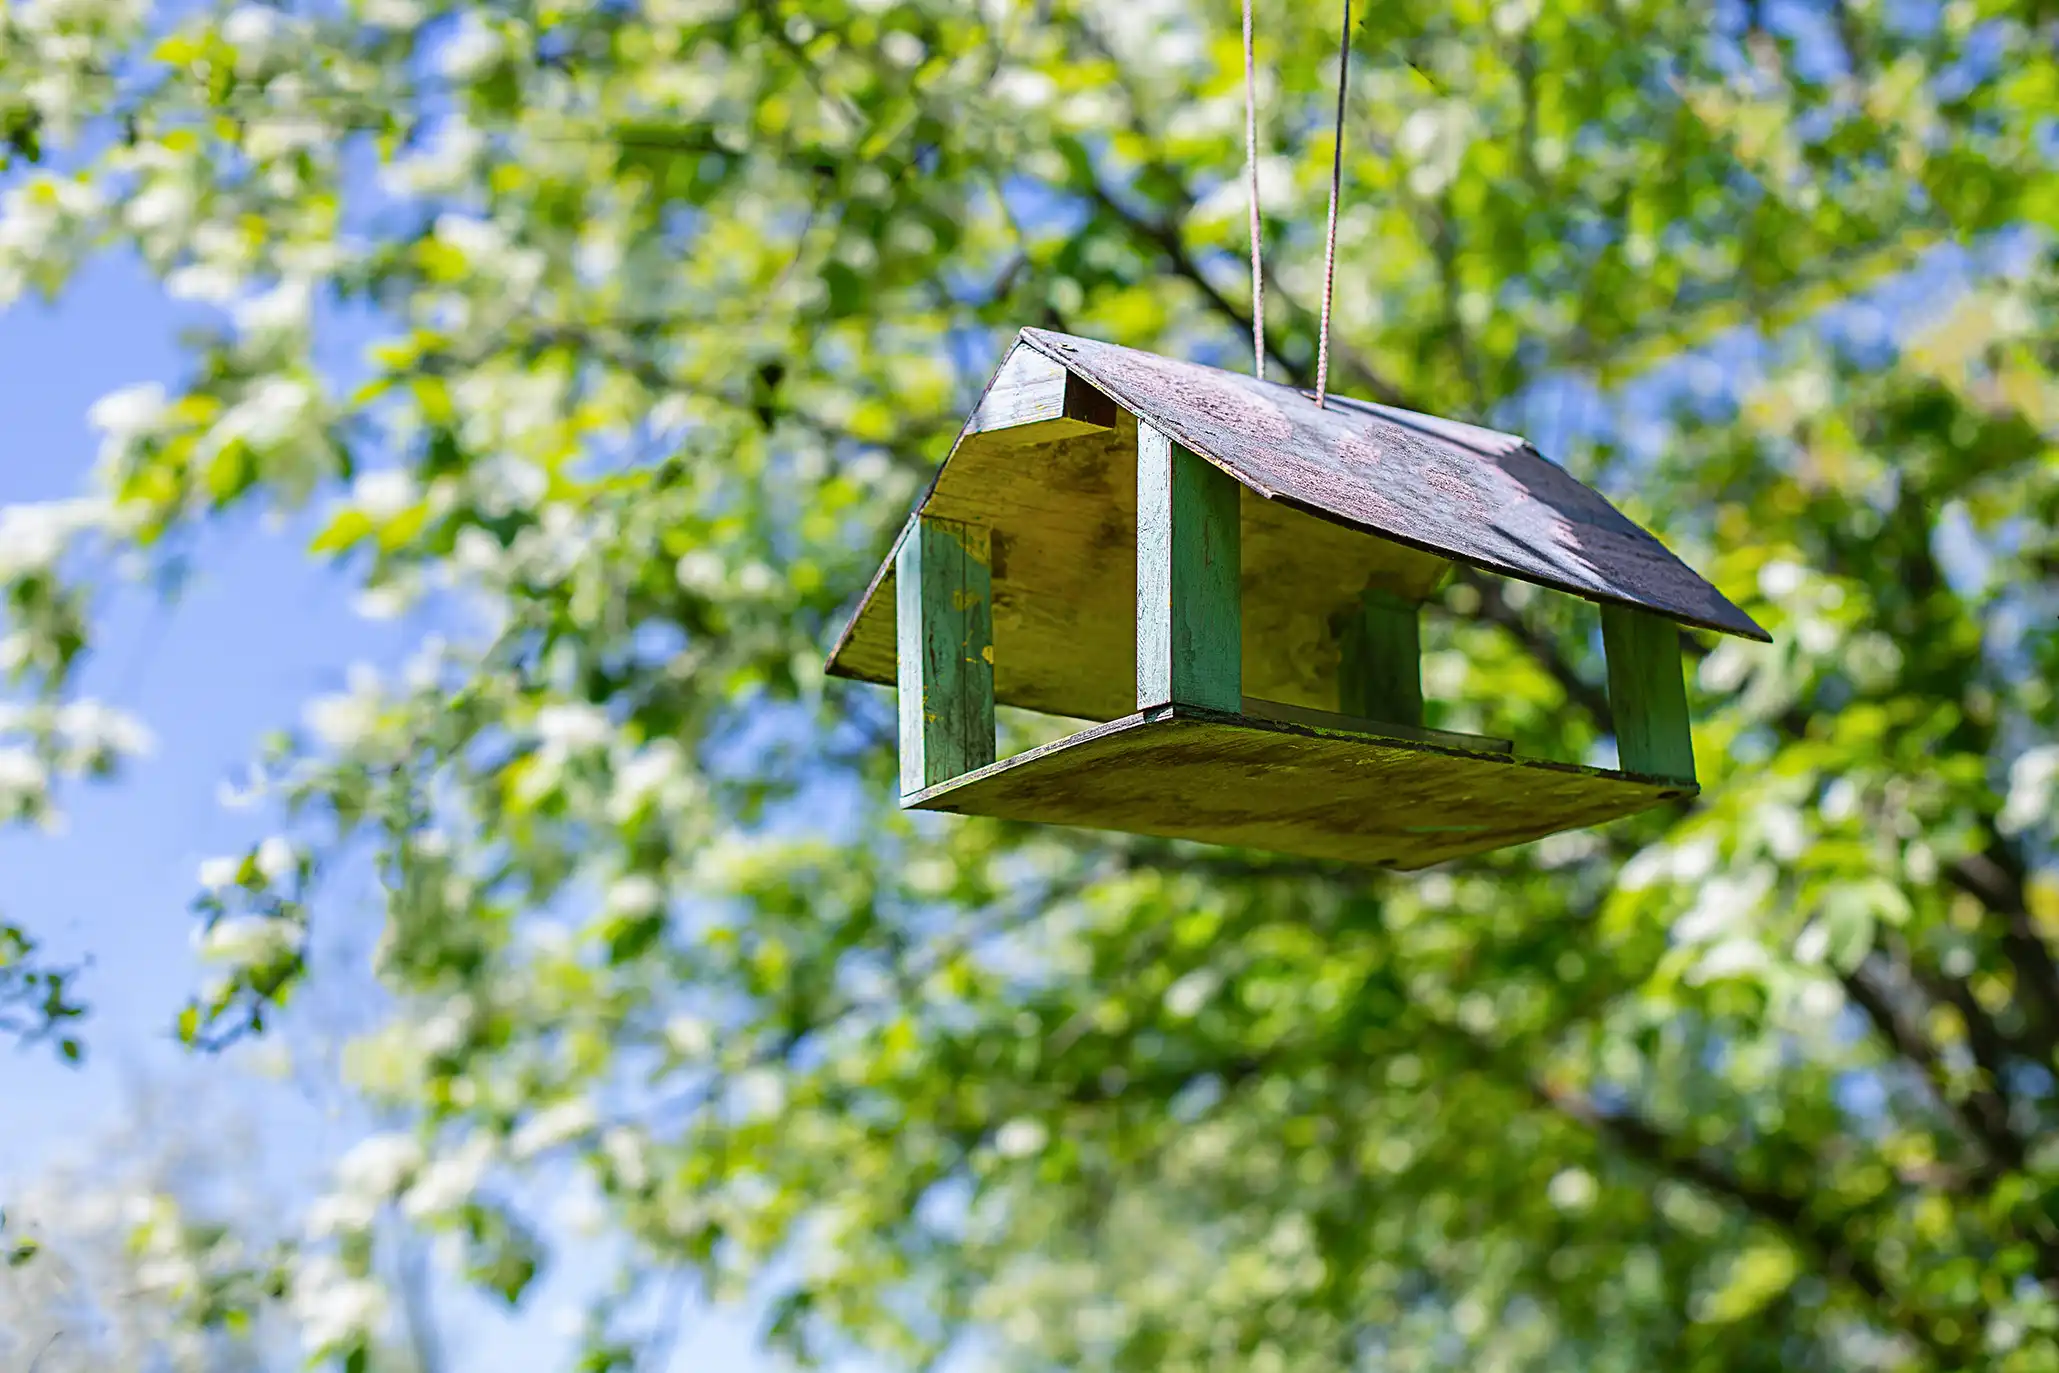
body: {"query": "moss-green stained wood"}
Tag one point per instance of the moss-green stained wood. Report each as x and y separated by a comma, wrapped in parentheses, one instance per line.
(1647, 693)
(1189, 579)
(945, 620)
(1380, 660)
(1186, 773)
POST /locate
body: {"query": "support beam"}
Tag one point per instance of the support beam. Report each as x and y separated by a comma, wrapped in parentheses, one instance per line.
(944, 611)
(1034, 400)
(1647, 693)
(1380, 660)
(1189, 579)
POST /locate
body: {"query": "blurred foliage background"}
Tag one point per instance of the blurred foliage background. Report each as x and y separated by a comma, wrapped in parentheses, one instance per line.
(679, 301)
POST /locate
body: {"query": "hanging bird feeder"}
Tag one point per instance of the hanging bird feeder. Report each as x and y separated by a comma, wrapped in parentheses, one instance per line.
(1226, 579)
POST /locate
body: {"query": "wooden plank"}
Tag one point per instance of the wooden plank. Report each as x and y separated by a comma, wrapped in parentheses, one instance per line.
(1297, 570)
(1380, 659)
(1362, 724)
(1063, 518)
(1185, 773)
(946, 630)
(1466, 493)
(1647, 694)
(1034, 400)
(1190, 636)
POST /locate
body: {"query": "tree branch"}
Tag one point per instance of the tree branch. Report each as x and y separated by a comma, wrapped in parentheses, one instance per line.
(1996, 878)
(1495, 608)
(1822, 1238)
(1982, 1113)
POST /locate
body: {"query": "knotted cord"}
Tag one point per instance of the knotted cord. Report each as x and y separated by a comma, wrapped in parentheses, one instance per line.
(1322, 356)
(1257, 230)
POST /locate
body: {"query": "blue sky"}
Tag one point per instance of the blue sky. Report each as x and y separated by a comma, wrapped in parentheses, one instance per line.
(258, 632)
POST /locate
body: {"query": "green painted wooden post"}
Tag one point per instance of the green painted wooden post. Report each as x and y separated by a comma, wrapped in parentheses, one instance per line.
(1380, 660)
(1647, 694)
(1189, 579)
(945, 620)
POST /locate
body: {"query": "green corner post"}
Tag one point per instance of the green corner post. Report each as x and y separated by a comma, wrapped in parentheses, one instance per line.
(944, 616)
(1190, 630)
(1647, 693)
(1380, 660)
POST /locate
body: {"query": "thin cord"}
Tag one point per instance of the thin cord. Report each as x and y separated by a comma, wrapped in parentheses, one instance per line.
(1322, 354)
(1257, 230)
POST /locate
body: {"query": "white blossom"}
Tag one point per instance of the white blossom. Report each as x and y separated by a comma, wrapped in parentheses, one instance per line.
(385, 493)
(701, 570)
(219, 874)
(379, 1164)
(285, 309)
(388, 601)
(258, 33)
(625, 1150)
(507, 484)
(551, 1127)
(1780, 579)
(276, 859)
(2032, 780)
(391, 14)
(334, 1308)
(341, 1213)
(208, 283)
(471, 51)
(442, 163)
(249, 940)
(446, 1030)
(34, 535)
(651, 771)
(1732, 958)
(22, 771)
(1020, 1138)
(1188, 995)
(902, 48)
(1572, 1189)
(342, 721)
(94, 727)
(572, 727)
(689, 1036)
(1434, 139)
(130, 413)
(273, 411)
(635, 895)
(448, 1181)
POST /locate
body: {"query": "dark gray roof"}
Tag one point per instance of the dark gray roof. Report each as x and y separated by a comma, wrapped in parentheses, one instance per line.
(1481, 497)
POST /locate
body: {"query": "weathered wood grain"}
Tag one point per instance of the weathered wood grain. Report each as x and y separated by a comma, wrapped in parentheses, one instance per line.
(1034, 399)
(1647, 693)
(1185, 773)
(1380, 659)
(945, 618)
(1063, 517)
(1190, 633)
(1483, 498)
(1299, 571)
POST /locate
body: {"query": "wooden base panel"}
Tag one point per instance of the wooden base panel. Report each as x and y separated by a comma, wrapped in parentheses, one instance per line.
(1180, 772)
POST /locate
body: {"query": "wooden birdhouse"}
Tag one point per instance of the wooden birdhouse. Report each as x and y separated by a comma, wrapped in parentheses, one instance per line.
(1224, 581)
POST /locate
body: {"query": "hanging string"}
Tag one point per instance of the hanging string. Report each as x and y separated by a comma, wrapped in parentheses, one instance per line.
(1322, 354)
(1257, 230)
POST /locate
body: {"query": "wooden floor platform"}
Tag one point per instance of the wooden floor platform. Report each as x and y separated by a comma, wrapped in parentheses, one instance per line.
(1183, 773)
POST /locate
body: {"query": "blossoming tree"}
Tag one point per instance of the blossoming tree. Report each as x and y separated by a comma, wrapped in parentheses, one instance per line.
(676, 304)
